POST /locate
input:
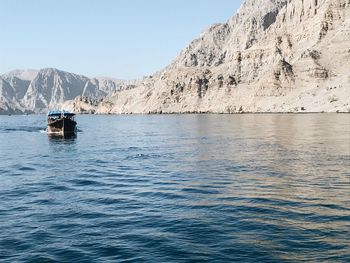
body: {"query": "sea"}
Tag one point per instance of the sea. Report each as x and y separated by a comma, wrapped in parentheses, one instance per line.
(176, 188)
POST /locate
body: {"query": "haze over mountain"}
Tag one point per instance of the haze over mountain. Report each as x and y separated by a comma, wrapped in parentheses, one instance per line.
(31, 91)
(272, 56)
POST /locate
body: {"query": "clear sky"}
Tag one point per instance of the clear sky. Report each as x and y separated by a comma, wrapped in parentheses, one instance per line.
(117, 38)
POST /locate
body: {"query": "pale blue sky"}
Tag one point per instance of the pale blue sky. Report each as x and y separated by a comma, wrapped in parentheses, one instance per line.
(116, 38)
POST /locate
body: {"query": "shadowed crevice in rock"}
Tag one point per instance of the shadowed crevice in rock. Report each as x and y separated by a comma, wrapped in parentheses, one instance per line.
(269, 19)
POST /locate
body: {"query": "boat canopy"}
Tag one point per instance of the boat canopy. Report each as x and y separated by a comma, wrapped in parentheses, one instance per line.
(58, 113)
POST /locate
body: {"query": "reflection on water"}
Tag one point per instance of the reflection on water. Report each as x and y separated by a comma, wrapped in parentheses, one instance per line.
(61, 147)
(200, 188)
(67, 138)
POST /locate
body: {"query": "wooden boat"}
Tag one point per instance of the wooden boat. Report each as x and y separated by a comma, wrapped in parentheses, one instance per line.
(61, 123)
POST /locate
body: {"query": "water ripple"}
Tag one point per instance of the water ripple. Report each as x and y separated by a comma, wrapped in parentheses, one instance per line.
(267, 188)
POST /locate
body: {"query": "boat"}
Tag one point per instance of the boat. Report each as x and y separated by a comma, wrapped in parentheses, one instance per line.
(61, 123)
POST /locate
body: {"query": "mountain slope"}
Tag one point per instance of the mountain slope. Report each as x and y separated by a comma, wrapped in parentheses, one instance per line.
(9, 98)
(23, 91)
(24, 74)
(272, 56)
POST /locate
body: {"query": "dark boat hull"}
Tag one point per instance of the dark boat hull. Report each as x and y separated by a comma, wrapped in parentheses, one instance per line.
(62, 126)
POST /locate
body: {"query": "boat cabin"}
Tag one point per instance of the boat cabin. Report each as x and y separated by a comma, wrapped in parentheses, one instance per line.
(55, 115)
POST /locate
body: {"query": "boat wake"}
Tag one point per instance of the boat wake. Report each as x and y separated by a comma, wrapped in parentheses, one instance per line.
(21, 129)
(45, 131)
(34, 129)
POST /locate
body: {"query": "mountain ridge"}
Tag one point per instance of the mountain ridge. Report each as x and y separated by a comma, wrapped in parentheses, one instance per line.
(36, 91)
(271, 56)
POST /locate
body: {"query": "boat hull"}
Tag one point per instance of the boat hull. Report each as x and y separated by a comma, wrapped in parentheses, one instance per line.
(62, 126)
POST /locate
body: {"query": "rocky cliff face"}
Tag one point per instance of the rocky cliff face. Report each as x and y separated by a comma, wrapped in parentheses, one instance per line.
(272, 56)
(37, 91)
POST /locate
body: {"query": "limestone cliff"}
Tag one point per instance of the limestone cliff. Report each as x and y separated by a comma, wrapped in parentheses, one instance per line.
(272, 56)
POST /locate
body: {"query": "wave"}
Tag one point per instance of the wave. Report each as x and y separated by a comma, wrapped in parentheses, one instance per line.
(22, 129)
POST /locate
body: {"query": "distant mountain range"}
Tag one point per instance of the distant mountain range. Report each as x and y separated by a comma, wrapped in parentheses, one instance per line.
(272, 56)
(32, 91)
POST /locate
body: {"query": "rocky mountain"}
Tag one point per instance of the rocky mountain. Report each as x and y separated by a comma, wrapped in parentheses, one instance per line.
(24, 74)
(272, 56)
(28, 91)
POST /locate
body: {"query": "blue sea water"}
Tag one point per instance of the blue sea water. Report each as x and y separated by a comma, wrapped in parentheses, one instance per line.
(177, 188)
